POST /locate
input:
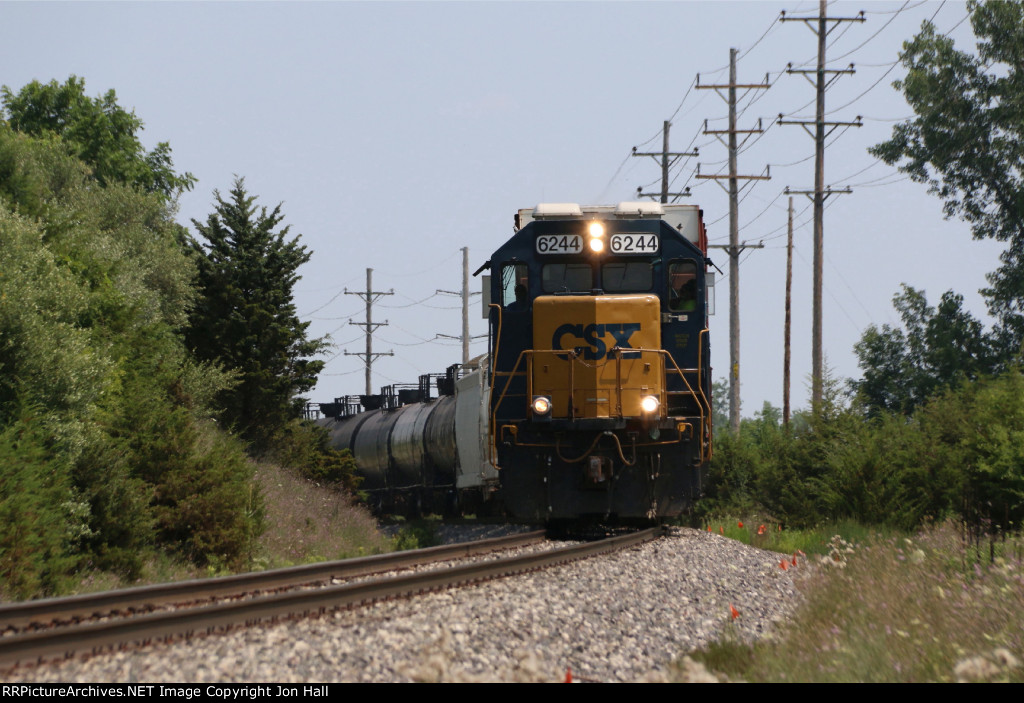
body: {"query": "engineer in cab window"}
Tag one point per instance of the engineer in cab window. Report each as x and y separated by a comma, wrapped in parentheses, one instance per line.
(522, 301)
(515, 287)
(683, 284)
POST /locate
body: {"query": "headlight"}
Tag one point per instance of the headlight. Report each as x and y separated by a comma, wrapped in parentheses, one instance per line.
(541, 405)
(649, 404)
(595, 230)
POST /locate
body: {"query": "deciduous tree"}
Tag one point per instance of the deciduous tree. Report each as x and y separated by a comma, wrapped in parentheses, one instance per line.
(98, 131)
(104, 453)
(938, 348)
(967, 141)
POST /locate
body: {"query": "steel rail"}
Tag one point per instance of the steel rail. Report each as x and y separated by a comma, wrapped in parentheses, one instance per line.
(96, 636)
(89, 605)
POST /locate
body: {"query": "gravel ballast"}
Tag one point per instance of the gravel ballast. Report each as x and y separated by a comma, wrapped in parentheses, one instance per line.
(619, 617)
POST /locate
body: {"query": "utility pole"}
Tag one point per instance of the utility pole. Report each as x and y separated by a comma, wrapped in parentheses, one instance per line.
(370, 297)
(668, 160)
(465, 306)
(789, 318)
(822, 26)
(734, 248)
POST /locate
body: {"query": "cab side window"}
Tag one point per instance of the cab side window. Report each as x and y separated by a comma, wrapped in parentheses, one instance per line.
(682, 285)
(515, 286)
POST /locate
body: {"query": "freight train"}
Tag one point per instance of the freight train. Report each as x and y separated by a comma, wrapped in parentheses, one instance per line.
(593, 399)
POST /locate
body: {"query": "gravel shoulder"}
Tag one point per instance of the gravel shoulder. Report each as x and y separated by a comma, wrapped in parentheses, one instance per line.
(619, 617)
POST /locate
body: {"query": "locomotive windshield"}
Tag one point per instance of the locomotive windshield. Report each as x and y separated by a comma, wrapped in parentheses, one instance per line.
(627, 276)
(567, 278)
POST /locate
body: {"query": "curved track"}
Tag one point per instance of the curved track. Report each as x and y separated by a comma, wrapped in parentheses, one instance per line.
(52, 629)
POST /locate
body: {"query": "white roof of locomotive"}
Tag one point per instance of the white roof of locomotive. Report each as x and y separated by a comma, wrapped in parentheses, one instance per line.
(684, 218)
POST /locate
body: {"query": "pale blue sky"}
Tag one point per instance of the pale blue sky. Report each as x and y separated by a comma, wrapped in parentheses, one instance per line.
(397, 133)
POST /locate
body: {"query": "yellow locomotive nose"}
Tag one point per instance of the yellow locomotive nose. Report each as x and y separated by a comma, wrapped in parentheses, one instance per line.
(598, 356)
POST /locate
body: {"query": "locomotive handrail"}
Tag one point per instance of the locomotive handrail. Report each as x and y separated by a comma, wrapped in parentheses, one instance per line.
(494, 407)
(708, 429)
(491, 446)
(703, 406)
(702, 397)
(571, 356)
(618, 379)
(514, 431)
(618, 383)
(696, 396)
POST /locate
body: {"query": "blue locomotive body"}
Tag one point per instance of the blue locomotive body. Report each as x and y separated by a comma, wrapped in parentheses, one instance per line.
(593, 400)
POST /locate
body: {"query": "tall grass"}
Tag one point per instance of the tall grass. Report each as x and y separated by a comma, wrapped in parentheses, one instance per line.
(898, 609)
(767, 533)
(307, 522)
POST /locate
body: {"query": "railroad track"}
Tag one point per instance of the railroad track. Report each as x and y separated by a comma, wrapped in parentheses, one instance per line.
(58, 628)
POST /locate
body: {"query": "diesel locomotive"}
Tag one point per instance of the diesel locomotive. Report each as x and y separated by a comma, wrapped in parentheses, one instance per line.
(593, 400)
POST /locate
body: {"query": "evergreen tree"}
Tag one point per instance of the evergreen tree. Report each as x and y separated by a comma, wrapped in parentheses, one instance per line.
(245, 318)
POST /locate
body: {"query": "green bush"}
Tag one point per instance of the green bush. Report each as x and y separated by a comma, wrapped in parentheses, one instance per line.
(306, 446)
(960, 455)
(418, 534)
(208, 504)
(973, 452)
(41, 520)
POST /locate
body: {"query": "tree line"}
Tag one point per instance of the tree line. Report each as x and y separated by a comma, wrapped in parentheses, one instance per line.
(935, 426)
(141, 364)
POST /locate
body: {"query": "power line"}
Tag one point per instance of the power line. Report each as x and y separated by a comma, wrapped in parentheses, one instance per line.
(343, 316)
(771, 25)
(862, 44)
(343, 373)
(887, 183)
(336, 355)
(882, 78)
(335, 297)
(857, 173)
(409, 305)
(616, 175)
(897, 11)
(678, 107)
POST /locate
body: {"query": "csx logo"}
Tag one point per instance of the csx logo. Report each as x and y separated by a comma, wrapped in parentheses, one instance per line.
(594, 336)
